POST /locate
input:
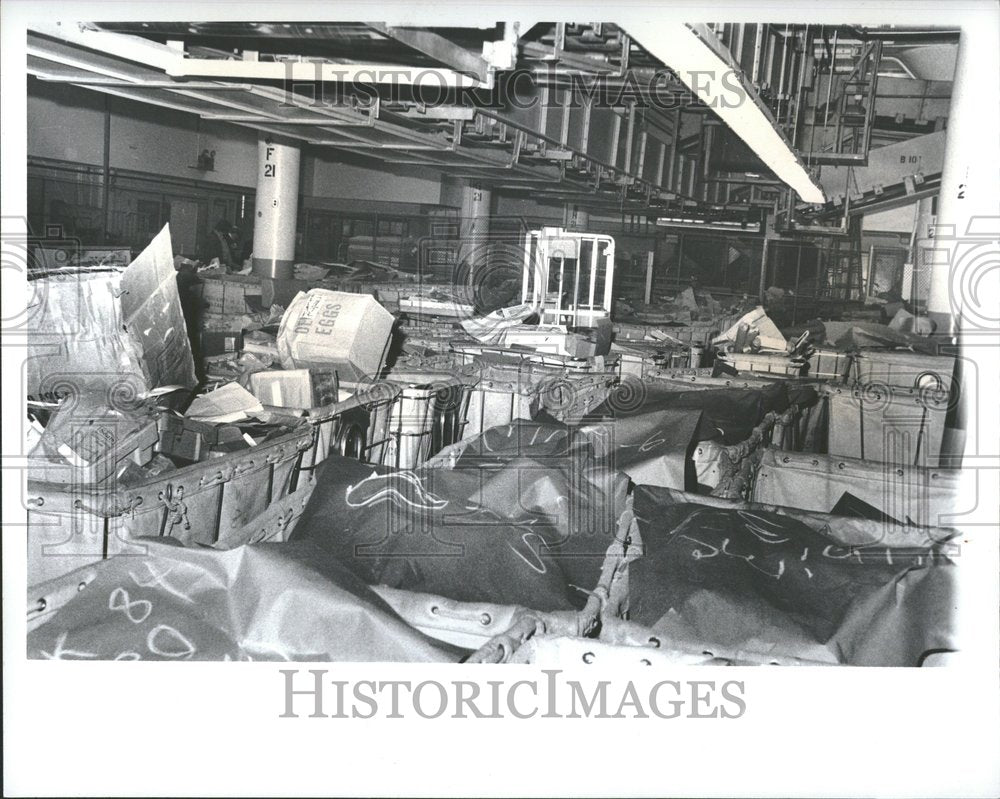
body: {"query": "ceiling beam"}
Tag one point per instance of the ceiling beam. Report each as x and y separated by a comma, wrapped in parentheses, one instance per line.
(134, 68)
(709, 70)
(440, 49)
(324, 71)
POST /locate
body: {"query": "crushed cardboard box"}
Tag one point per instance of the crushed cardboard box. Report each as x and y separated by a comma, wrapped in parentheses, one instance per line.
(348, 332)
(490, 328)
(110, 327)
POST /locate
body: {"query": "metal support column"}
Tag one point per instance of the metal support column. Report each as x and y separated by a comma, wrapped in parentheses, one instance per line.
(768, 225)
(798, 275)
(277, 207)
(106, 176)
(475, 225)
(576, 218)
(648, 293)
(680, 256)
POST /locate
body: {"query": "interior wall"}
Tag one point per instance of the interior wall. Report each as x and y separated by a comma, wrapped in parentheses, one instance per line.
(66, 126)
(532, 210)
(324, 176)
(142, 139)
(66, 123)
(895, 220)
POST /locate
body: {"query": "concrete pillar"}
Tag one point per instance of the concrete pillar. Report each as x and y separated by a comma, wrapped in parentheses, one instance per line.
(477, 201)
(277, 207)
(969, 190)
(576, 218)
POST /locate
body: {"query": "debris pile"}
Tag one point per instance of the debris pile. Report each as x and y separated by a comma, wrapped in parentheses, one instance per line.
(329, 479)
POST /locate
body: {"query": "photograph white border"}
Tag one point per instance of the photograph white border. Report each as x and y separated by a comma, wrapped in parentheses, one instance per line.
(214, 729)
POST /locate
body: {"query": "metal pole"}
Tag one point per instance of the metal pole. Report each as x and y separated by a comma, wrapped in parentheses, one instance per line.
(769, 77)
(475, 225)
(680, 255)
(576, 218)
(649, 277)
(876, 56)
(755, 71)
(576, 290)
(593, 275)
(870, 279)
(707, 135)
(673, 149)
(801, 68)
(795, 297)
(763, 268)
(767, 224)
(781, 77)
(829, 85)
(106, 189)
(562, 270)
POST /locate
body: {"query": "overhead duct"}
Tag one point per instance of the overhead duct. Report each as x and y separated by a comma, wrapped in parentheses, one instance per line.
(707, 68)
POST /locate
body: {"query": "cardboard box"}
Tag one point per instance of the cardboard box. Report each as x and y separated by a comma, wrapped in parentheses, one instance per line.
(296, 388)
(191, 440)
(74, 255)
(231, 294)
(348, 332)
(110, 329)
(775, 363)
(86, 443)
(220, 342)
(829, 364)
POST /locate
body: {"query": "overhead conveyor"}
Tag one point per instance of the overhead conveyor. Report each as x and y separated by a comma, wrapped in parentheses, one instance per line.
(364, 89)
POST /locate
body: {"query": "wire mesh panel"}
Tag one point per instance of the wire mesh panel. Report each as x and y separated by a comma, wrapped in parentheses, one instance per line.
(920, 287)
(885, 272)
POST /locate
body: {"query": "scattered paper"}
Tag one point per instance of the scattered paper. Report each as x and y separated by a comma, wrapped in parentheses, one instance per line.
(230, 403)
(762, 328)
(686, 299)
(490, 329)
(901, 319)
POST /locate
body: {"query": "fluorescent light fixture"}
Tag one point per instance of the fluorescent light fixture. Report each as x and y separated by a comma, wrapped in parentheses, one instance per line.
(705, 224)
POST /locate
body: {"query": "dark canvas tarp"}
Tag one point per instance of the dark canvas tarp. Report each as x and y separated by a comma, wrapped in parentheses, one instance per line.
(523, 517)
(746, 578)
(520, 516)
(729, 412)
(289, 601)
(651, 448)
(854, 335)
